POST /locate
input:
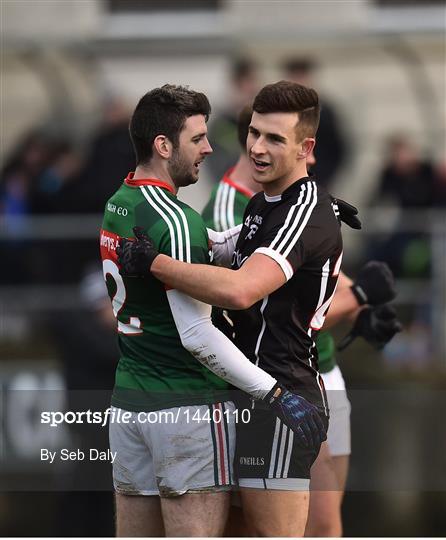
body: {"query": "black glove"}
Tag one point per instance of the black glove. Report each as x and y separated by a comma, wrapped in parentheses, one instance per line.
(348, 213)
(374, 284)
(135, 257)
(298, 414)
(377, 325)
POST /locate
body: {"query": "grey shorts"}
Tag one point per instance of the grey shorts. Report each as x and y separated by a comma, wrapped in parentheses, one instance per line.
(174, 451)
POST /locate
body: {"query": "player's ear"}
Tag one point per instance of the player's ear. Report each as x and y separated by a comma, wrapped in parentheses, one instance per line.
(162, 146)
(306, 147)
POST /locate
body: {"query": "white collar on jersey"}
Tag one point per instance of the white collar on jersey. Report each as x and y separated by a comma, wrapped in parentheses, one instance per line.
(273, 198)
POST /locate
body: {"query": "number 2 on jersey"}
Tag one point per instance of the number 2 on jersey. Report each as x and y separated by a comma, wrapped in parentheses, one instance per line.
(134, 325)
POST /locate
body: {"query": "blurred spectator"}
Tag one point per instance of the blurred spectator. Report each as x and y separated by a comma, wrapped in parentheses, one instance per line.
(49, 189)
(330, 148)
(244, 81)
(108, 162)
(47, 176)
(41, 181)
(407, 180)
(27, 161)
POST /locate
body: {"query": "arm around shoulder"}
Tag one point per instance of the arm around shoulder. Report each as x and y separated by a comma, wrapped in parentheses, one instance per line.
(258, 277)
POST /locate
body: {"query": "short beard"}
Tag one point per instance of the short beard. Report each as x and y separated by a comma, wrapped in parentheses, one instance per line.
(179, 170)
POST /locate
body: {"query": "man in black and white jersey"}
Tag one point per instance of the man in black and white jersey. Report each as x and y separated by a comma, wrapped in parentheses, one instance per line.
(299, 230)
(279, 288)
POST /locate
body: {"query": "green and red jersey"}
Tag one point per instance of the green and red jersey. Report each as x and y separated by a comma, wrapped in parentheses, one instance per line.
(154, 371)
(226, 205)
(225, 209)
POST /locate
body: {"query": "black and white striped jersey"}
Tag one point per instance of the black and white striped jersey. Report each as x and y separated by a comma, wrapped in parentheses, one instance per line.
(300, 230)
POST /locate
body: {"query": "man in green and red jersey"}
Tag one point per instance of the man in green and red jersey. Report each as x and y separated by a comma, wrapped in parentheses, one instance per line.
(226, 208)
(173, 469)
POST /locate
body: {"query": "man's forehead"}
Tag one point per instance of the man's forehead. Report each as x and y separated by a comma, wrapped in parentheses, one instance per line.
(278, 122)
(195, 123)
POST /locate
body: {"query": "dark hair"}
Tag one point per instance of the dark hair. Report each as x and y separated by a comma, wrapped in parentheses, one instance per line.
(244, 119)
(163, 111)
(285, 96)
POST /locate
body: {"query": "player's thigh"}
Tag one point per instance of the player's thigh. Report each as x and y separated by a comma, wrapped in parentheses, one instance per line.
(323, 472)
(324, 516)
(341, 466)
(138, 515)
(138, 510)
(269, 455)
(274, 475)
(187, 450)
(194, 453)
(133, 467)
(329, 472)
(236, 524)
(273, 513)
(196, 514)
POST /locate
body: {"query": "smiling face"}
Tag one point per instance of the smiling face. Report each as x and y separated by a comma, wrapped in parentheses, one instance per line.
(277, 158)
(193, 147)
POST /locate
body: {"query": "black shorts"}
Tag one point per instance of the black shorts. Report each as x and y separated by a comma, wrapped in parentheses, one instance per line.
(268, 454)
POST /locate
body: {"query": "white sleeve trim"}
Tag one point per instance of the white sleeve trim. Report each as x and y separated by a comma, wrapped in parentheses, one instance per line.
(213, 349)
(280, 260)
(223, 244)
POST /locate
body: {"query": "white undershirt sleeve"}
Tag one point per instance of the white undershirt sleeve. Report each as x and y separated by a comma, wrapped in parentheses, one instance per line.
(223, 244)
(213, 349)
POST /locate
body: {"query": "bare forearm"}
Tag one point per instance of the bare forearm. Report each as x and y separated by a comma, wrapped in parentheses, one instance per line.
(213, 285)
(344, 281)
(344, 304)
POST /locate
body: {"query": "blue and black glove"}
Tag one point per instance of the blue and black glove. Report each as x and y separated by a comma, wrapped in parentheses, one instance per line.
(135, 257)
(298, 414)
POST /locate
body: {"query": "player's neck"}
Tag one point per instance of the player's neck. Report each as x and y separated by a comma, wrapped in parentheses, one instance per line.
(156, 172)
(277, 187)
(242, 174)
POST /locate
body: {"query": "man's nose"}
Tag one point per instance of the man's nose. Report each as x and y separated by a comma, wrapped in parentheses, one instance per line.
(258, 147)
(207, 148)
